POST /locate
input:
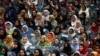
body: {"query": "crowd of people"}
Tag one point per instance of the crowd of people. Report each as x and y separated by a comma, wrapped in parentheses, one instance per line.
(49, 27)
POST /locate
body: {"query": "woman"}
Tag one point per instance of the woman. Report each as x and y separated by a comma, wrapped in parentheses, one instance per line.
(94, 27)
(75, 44)
(17, 24)
(85, 10)
(74, 19)
(83, 50)
(8, 41)
(97, 38)
(36, 37)
(50, 37)
(2, 23)
(2, 10)
(4, 51)
(71, 33)
(57, 43)
(25, 43)
(47, 25)
(67, 49)
(16, 47)
(43, 42)
(16, 35)
(9, 27)
(38, 52)
(2, 33)
(46, 15)
(57, 31)
(39, 20)
(22, 52)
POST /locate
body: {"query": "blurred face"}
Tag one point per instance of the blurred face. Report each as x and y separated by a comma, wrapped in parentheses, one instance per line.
(56, 41)
(50, 35)
(74, 41)
(76, 3)
(69, 13)
(8, 39)
(36, 53)
(3, 51)
(34, 13)
(82, 29)
(26, 15)
(25, 40)
(45, 13)
(83, 35)
(15, 45)
(83, 8)
(42, 40)
(1, 22)
(93, 24)
(36, 34)
(81, 48)
(97, 49)
(16, 23)
(73, 18)
(1, 32)
(15, 33)
(21, 53)
(78, 24)
(71, 31)
(98, 36)
(25, 29)
(57, 30)
(8, 26)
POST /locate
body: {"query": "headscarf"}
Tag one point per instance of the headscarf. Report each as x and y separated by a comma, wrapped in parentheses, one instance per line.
(50, 39)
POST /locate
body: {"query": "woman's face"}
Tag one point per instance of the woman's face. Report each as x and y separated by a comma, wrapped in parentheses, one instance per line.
(83, 35)
(21, 53)
(34, 13)
(57, 41)
(1, 32)
(82, 29)
(49, 35)
(74, 41)
(71, 31)
(98, 36)
(15, 33)
(42, 40)
(83, 8)
(73, 18)
(36, 33)
(16, 23)
(81, 48)
(24, 40)
(3, 51)
(57, 30)
(76, 3)
(93, 24)
(15, 45)
(36, 53)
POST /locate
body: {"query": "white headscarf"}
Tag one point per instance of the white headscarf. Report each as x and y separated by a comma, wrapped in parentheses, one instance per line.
(47, 15)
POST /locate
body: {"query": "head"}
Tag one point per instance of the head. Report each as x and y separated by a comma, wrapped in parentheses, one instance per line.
(3, 33)
(43, 39)
(22, 52)
(37, 33)
(16, 32)
(83, 7)
(24, 40)
(17, 23)
(50, 35)
(46, 12)
(39, 16)
(1, 10)
(74, 18)
(4, 51)
(17, 45)
(98, 35)
(25, 28)
(84, 36)
(56, 41)
(81, 47)
(75, 41)
(9, 25)
(57, 30)
(9, 39)
(51, 18)
(71, 30)
(94, 24)
(38, 52)
(82, 29)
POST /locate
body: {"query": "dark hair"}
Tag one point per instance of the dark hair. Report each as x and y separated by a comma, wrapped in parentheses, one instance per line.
(67, 49)
(18, 26)
(6, 50)
(49, 27)
(57, 33)
(76, 54)
(40, 52)
(24, 52)
(2, 37)
(17, 36)
(56, 52)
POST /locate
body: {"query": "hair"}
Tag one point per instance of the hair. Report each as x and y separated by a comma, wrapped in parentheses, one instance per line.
(2, 37)
(40, 52)
(56, 52)
(24, 52)
(6, 50)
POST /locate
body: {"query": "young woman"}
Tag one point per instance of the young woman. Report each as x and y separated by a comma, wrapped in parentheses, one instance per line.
(8, 41)
(22, 52)
(43, 42)
(38, 52)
